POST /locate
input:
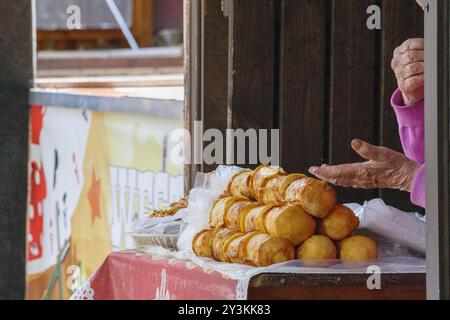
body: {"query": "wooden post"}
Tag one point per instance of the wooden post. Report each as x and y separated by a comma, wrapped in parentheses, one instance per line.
(192, 80)
(16, 59)
(142, 27)
(437, 118)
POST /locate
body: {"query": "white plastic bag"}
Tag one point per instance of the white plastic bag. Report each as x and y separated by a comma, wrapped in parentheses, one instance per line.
(400, 227)
(206, 189)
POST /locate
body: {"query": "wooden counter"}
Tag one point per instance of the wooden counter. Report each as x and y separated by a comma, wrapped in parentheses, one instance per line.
(400, 286)
(136, 276)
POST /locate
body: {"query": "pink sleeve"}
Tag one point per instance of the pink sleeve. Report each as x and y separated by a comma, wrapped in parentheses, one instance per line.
(411, 125)
(412, 133)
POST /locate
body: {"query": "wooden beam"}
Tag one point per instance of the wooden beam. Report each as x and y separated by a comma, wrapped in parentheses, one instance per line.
(111, 62)
(443, 127)
(192, 80)
(16, 59)
(437, 119)
(142, 27)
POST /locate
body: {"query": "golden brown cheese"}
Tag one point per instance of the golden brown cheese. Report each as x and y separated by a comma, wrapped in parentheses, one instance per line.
(316, 197)
(202, 243)
(219, 209)
(290, 222)
(317, 248)
(218, 243)
(274, 189)
(339, 224)
(236, 214)
(261, 175)
(264, 250)
(239, 184)
(232, 250)
(357, 248)
(254, 221)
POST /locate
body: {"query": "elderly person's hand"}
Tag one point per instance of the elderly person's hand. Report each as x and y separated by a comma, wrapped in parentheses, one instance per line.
(409, 67)
(385, 168)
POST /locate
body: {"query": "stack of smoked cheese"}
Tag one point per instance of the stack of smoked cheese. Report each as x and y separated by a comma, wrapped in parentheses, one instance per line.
(267, 216)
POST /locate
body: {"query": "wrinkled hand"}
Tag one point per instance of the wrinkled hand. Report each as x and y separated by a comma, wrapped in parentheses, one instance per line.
(409, 67)
(385, 168)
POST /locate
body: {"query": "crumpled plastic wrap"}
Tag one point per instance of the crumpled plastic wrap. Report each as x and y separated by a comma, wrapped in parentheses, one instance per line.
(401, 228)
(207, 187)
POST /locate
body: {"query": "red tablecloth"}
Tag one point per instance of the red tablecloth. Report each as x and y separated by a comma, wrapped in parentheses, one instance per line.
(130, 276)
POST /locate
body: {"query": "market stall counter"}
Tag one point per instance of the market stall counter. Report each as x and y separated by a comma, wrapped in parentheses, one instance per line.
(216, 257)
(136, 276)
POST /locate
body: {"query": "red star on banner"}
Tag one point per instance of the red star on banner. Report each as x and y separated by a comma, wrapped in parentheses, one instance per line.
(94, 197)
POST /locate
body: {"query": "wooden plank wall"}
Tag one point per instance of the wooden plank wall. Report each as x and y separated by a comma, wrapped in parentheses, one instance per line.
(312, 69)
(303, 52)
(354, 85)
(215, 69)
(252, 77)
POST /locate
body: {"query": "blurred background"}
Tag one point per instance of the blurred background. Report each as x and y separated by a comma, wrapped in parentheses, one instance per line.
(102, 46)
(108, 94)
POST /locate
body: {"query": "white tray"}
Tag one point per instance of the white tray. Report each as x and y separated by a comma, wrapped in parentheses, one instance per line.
(167, 241)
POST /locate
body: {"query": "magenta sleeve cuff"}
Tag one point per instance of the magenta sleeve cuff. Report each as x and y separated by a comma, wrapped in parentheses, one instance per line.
(407, 116)
(412, 133)
(418, 189)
